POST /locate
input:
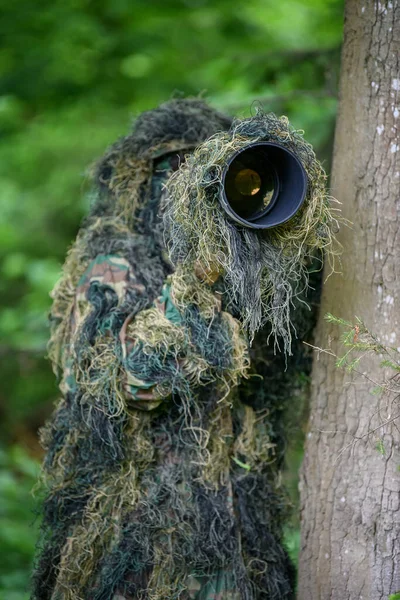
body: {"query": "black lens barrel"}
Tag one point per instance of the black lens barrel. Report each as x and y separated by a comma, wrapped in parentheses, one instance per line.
(280, 193)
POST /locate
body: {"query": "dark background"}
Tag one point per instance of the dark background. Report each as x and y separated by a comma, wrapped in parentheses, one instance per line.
(73, 75)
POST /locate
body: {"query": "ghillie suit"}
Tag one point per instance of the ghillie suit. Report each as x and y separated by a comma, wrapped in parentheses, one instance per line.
(163, 457)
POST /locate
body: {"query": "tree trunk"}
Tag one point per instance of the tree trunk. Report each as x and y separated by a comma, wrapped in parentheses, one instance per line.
(350, 500)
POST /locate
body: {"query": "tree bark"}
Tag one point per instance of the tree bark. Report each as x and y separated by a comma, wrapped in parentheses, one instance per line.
(350, 499)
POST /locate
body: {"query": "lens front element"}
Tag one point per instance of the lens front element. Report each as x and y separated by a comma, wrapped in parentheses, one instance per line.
(250, 184)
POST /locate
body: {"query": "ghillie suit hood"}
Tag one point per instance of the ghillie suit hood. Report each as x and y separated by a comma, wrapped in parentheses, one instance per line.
(161, 471)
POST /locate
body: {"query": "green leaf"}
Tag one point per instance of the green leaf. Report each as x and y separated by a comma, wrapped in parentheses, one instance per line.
(380, 447)
(337, 320)
(390, 364)
(376, 391)
(353, 364)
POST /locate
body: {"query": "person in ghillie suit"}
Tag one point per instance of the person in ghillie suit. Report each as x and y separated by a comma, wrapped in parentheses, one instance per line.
(163, 457)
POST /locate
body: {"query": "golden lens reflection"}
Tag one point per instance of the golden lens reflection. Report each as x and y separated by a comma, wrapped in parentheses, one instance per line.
(248, 182)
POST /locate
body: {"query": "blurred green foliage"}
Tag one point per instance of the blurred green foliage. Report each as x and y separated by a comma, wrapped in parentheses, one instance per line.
(18, 531)
(73, 73)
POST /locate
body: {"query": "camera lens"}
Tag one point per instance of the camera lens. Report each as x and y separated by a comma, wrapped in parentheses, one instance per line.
(264, 185)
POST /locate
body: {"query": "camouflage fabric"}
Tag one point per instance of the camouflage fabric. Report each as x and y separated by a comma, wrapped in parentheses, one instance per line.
(113, 272)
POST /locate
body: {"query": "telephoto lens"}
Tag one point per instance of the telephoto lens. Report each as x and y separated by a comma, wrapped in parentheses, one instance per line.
(264, 185)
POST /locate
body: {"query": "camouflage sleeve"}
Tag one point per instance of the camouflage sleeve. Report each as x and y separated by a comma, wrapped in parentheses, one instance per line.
(113, 276)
